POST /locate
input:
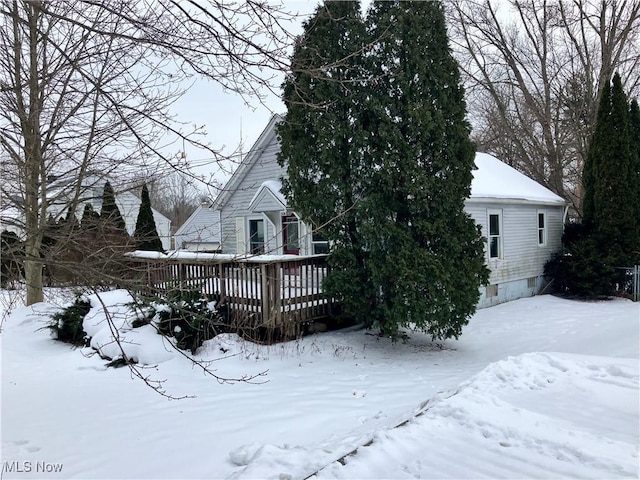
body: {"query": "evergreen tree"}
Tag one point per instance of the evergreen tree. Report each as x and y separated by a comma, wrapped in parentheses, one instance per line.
(377, 151)
(146, 233)
(110, 213)
(611, 189)
(322, 138)
(427, 255)
(90, 218)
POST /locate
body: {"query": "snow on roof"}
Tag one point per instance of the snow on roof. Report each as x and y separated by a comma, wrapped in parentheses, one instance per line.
(272, 186)
(496, 179)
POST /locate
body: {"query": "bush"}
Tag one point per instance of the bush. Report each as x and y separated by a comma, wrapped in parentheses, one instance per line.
(189, 318)
(581, 272)
(67, 324)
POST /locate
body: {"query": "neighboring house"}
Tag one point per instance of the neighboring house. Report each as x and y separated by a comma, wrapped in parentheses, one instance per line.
(521, 220)
(93, 187)
(200, 232)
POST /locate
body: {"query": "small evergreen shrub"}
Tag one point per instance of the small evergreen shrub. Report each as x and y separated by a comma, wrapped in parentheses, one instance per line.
(581, 272)
(67, 324)
(189, 318)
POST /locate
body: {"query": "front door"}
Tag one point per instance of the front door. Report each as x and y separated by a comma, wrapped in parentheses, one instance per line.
(290, 235)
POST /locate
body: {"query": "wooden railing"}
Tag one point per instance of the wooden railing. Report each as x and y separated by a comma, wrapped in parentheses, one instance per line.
(272, 292)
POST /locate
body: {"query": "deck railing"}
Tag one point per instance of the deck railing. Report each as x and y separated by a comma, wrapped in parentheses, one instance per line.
(266, 291)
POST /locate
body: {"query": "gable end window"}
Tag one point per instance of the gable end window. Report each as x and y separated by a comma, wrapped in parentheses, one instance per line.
(542, 229)
(495, 235)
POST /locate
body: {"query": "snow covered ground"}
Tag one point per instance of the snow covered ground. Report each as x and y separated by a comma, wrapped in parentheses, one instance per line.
(537, 388)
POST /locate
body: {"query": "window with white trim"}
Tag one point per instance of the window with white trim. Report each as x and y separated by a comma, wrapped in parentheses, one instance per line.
(542, 229)
(495, 234)
(319, 243)
(256, 236)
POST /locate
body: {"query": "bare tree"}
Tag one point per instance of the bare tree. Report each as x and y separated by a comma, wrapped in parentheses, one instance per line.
(87, 86)
(177, 195)
(535, 70)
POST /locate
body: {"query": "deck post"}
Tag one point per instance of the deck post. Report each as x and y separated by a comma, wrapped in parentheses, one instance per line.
(265, 294)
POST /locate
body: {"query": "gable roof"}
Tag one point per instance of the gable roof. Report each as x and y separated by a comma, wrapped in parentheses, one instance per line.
(492, 180)
(203, 214)
(263, 141)
(267, 196)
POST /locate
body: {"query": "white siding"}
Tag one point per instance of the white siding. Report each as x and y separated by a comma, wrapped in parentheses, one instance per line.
(265, 168)
(203, 226)
(522, 258)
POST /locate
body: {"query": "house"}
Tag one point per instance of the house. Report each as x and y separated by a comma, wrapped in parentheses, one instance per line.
(521, 219)
(201, 231)
(92, 189)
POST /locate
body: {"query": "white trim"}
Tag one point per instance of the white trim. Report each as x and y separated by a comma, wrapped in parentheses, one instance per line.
(241, 236)
(499, 236)
(544, 229)
(254, 154)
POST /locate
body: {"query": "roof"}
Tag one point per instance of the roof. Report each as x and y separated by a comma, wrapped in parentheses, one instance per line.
(207, 214)
(494, 179)
(269, 190)
(254, 154)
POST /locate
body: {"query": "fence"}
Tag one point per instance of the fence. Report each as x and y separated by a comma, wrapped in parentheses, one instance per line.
(630, 284)
(261, 291)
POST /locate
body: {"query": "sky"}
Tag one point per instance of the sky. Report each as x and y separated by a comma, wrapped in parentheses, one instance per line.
(228, 118)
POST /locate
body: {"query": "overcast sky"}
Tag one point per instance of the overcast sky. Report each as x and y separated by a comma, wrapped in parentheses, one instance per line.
(226, 116)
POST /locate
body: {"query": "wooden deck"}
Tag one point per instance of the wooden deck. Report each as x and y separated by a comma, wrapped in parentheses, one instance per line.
(261, 291)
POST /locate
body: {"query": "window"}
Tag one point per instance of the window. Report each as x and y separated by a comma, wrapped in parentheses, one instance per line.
(319, 243)
(542, 229)
(290, 234)
(256, 236)
(495, 235)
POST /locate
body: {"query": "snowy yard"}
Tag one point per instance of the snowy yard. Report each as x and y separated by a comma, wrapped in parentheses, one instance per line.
(537, 388)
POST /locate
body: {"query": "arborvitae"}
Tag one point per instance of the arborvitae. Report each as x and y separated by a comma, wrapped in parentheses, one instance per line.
(322, 144)
(90, 218)
(110, 214)
(146, 234)
(426, 253)
(634, 181)
(611, 190)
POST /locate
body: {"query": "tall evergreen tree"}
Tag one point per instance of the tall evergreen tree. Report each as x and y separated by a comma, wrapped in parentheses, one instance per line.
(146, 234)
(611, 189)
(377, 151)
(110, 213)
(427, 255)
(322, 138)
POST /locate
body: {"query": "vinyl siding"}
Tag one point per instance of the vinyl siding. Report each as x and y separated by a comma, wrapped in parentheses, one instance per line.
(522, 256)
(237, 205)
(202, 226)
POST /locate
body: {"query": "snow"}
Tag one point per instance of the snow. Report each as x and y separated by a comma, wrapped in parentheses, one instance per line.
(495, 179)
(275, 188)
(219, 257)
(540, 387)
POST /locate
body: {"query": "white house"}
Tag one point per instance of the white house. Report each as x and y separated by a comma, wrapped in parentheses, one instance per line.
(521, 220)
(93, 187)
(201, 231)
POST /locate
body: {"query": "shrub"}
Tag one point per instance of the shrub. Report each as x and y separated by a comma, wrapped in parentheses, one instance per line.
(67, 324)
(189, 318)
(581, 272)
